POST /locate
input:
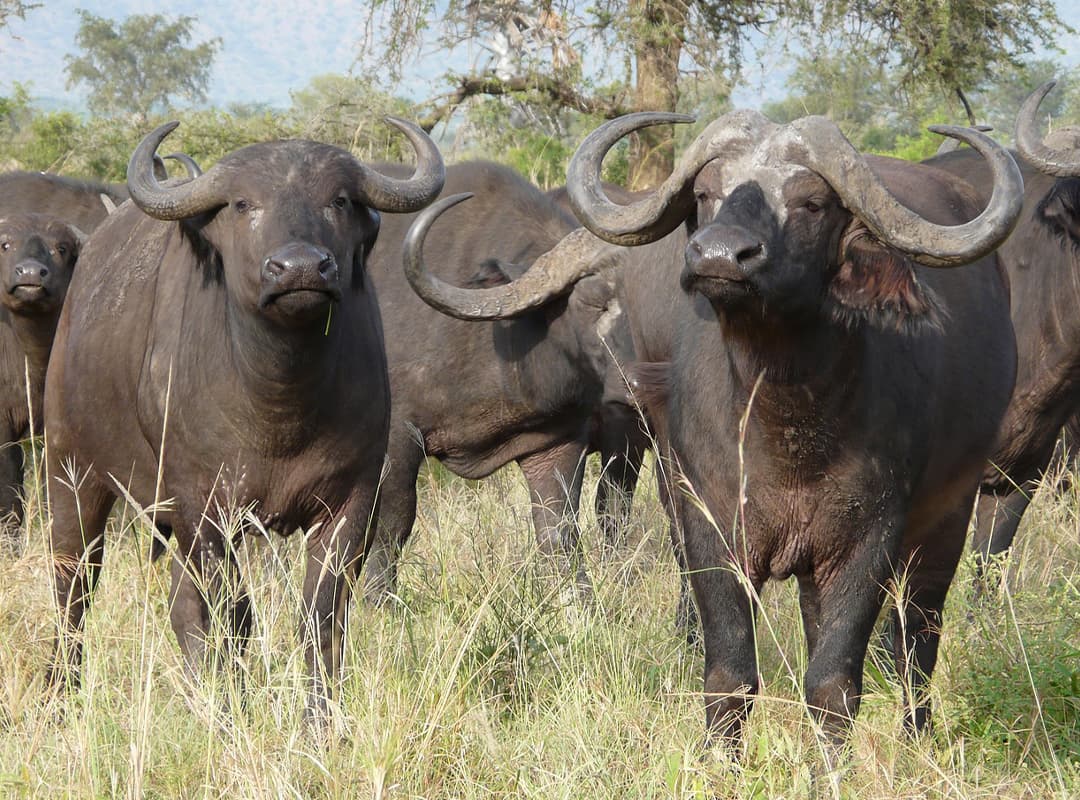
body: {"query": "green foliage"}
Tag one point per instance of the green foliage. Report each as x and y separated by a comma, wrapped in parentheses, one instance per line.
(140, 66)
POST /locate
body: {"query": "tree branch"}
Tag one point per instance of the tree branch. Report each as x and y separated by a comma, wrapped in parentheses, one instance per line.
(561, 93)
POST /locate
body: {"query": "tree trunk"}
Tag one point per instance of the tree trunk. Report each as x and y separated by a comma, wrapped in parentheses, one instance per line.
(659, 26)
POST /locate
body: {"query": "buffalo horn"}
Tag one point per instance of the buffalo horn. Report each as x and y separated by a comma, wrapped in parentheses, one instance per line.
(659, 213)
(170, 202)
(952, 144)
(817, 144)
(190, 164)
(551, 275)
(411, 194)
(1031, 145)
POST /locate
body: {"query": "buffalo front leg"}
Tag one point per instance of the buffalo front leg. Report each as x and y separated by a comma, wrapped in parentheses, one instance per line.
(207, 595)
(727, 607)
(11, 487)
(335, 553)
(555, 477)
(80, 507)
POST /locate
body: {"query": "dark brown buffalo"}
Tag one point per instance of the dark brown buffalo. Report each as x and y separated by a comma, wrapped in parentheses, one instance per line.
(828, 401)
(221, 347)
(82, 203)
(37, 256)
(479, 395)
(1042, 258)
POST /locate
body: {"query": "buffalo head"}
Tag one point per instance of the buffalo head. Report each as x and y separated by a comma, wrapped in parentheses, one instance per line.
(1058, 155)
(791, 218)
(286, 225)
(37, 257)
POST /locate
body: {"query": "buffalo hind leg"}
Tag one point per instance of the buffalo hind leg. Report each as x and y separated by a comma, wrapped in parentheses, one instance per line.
(397, 516)
(997, 520)
(555, 477)
(916, 623)
(620, 460)
(80, 507)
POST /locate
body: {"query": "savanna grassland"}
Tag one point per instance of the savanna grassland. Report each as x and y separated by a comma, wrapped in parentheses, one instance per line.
(484, 681)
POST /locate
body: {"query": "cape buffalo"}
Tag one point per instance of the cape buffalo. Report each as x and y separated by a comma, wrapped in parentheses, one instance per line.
(82, 203)
(479, 395)
(222, 347)
(1042, 258)
(828, 401)
(37, 256)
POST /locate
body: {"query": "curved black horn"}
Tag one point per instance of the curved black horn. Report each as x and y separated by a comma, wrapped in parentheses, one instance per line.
(818, 144)
(551, 275)
(411, 194)
(1030, 143)
(169, 202)
(656, 215)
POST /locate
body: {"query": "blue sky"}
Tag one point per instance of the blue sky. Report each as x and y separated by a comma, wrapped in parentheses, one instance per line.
(271, 47)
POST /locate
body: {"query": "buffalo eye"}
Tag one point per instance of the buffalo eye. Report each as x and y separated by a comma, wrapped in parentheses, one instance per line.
(5, 245)
(814, 205)
(61, 250)
(242, 206)
(340, 202)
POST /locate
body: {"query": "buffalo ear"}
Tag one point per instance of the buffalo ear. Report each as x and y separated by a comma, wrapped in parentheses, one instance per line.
(648, 384)
(493, 272)
(876, 284)
(1060, 209)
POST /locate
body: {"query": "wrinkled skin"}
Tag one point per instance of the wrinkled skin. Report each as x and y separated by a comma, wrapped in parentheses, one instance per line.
(1042, 259)
(877, 387)
(479, 395)
(242, 350)
(37, 257)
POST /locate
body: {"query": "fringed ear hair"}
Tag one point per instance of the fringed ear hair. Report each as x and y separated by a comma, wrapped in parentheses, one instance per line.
(877, 284)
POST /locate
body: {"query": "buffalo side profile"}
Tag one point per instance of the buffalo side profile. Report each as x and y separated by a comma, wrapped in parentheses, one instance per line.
(480, 394)
(1042, 259)
(222, 348)
(37, 257)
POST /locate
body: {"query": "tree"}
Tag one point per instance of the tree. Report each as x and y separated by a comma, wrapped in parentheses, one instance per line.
(645, 49)
(140, 66)
(14, 8)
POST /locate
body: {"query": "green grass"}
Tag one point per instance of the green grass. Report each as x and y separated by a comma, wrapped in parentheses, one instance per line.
(484, 683)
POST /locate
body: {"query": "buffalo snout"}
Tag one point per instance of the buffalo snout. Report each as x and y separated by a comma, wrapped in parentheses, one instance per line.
(300, 278)
(722, 259)
(30, 272)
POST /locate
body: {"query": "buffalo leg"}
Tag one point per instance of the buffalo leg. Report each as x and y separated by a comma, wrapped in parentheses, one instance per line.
(334, 557)
(725, 603)
(997, 520)
(11, 488)
(916, 624)
(621, 456)
(397, 515)
(686, 616)
(555, 477)
(80, 507)
(840, 603)
(206, 588)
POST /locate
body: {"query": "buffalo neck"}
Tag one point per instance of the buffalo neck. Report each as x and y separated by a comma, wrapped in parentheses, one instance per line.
(796, 370)
(35, 333)
(289, 374)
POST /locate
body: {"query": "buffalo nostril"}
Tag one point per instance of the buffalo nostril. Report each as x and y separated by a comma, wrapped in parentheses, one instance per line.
(273, 268)
(752, 257)
(328, 266)
(43, 271)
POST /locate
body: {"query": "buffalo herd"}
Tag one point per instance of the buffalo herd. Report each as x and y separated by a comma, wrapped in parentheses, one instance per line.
(835, 357)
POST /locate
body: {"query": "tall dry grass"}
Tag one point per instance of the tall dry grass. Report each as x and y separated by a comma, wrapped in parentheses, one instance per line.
(481, 681)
